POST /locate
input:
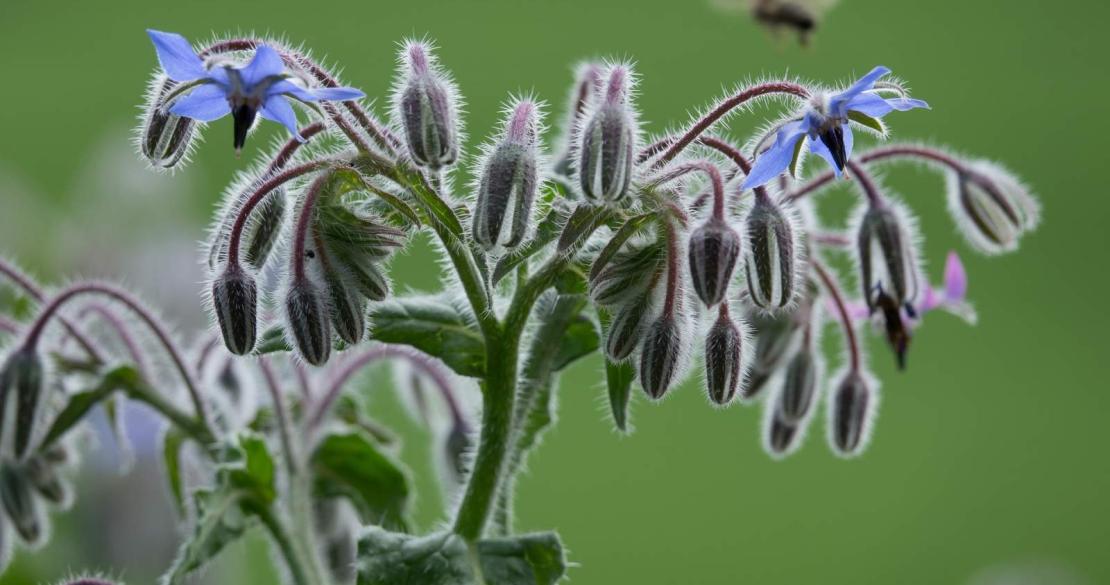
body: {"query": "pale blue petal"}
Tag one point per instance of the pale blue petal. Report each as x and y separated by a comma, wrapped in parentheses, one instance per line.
(775, 160)
(869, 104)
(817, 147)
(177, 57)
(266, 63)
(849, 141)
(277, 108)
(863, 84)
(904, 104)
(337, 94)
(204, 104)
(286, 87)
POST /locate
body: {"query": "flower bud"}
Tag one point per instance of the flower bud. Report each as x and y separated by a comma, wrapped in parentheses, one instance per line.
(235, 302)
(46, 481)
(781, 436)
(799, 386)
(348, 312)
(991, 207)
(166, 138)
(457, 448)
(607, 143)
(88, 581)
(307, 321)
(21, 505)
(772, 255)
(508, 185)
(774, 336)
(22, 378)
(427, 110)
(629, 275)
(723, 359)
(850, 408)
(887, 258)
(659, 358)
(587, 84)
(714, 248)
(368, 279)
(626, 329)
(265, 228)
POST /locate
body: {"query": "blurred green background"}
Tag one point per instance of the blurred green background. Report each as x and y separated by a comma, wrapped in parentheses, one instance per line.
(989, 457)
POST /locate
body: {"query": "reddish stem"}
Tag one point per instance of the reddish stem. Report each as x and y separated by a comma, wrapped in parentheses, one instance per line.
(715, 179)
(300, 233)
(24, 282)
(845, 319)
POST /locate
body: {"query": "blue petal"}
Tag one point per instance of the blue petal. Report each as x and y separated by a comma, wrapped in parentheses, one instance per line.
(817, 147)
(204, 104)
(266, 63)
(836, 103)
(286, 87)
(904, 104)
(337, 94)
(849, 141)
(276, 108)
(176, 56)
(876, 106)
(776, 159)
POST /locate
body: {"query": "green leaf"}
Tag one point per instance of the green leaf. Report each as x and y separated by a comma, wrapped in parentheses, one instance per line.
(347, 464)
(79, 405)
(630, 228)
(868, 121)
(433, 325)
(172, 442)
(618, 380)
(532, 559)
(585, 219)
(579, 340)
(272, 340)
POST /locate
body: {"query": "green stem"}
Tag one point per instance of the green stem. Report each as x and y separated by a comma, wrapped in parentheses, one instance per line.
(288, 548)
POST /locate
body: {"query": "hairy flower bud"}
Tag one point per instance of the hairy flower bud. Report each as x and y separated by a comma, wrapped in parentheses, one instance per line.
(368, 279)
(235, 302)
(626, 329)
(629, 275)
(426, 108)
(46, 481)
(21, 505)
(607, 142)
(781, 436)
(714, 249)
(265, 228)
(723, 359)
(887, 258)
(774, 336)
(308, 323)
(850, 408)
(799, 386)
(659, 358)
(772, 255)
(507, 187)
(991, 207)
(587, 84)
(22, 378)
(166, 138)
(348, 311)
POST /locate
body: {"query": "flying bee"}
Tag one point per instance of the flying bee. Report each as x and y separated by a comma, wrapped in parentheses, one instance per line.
(800, 16)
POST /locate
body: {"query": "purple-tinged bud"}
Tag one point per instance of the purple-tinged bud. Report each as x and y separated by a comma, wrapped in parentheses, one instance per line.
(887, 257)
(166, 138)
(427, 110)
(660, 356)
(799, 386)
(714, 249)
(348, 311)
(629, 275)
(724, 369)
(587, 86)
(781, 436)
(772, 259)
(306, 315)
(850, 412)
(22, 377)
(991, 207)
(627, 329)
(607, 142)
(266, 221)
(235, 302)
(21, 506)
(507, 187)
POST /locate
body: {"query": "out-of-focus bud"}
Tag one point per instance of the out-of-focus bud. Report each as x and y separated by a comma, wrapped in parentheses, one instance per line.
(799, 386)
(774, 337)
(887, 257)
(265, 228)
(21, 505)
(88, 581)
(607, 142)
(22, 377)
(781, 436)
(586, 87)
(166, 138)
(427, 110)
(629, 275)
(772, 259)
(714, 249)
(348, 312)
(308, 322)
(627, 328)
(46, 481)
(723, 359)
(507, 187)
(335, 529)
(235, 302)
(991, 207)
(850, 408)
(659, 358)
(457, 447)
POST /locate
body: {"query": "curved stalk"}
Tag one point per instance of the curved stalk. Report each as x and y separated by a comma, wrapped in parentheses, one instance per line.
(845, 319)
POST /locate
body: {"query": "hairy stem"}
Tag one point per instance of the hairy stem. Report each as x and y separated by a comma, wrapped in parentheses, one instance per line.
(293, 557)
(845, 319)
(284, 428)
(24, 283)
(908, 151)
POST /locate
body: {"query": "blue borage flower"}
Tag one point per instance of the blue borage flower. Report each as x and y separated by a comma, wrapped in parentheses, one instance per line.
(826, 125)
(261, 87)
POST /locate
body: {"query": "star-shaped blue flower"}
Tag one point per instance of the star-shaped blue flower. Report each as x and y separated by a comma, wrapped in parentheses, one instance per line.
(262, 87)
(827, 129)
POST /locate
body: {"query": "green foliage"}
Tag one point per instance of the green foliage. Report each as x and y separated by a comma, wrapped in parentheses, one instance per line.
(348, 464)
(435, 326)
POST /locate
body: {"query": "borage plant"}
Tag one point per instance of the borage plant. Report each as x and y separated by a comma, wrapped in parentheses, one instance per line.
(649, 251)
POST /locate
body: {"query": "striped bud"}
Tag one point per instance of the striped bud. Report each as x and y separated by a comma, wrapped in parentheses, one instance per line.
(723, 359)
(46, 481)
(22, 378)
(166, 138)
(427, 111)
(629, 275)
(991, 207)
(265, 228)
(781, 436)
(626, 329)
(714, 249)
(772, 254)
(21, 505)
(308, 323)
(235, 302)
(660, 356)
(887, 260)
(507, 188)
(587, 84)
(368, 279)
(607, 143)
(348, 311)
(850, 414)
(774, 336)
(799, 386)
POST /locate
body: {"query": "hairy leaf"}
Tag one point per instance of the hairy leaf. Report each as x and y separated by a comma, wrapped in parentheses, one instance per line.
(347, 464)
(434, 326)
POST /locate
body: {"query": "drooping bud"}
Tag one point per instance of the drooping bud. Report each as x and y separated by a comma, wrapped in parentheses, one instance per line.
(607, 142)
(266, 221)
(626, 329)
(348, 311)
(659, 358)
(21, 505)
(780, 436)
(426, 108)
(772, 260)
(368, 279)
(22, 379)
(799, 386)
(46, 481)
(887, 256)
(850, 412)
(723, 359)
(774, 337)
(166, 138)
(631, 273)
(507, 187)
(714, 249)
(235, 302)
(308, 322)
(991, 207)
